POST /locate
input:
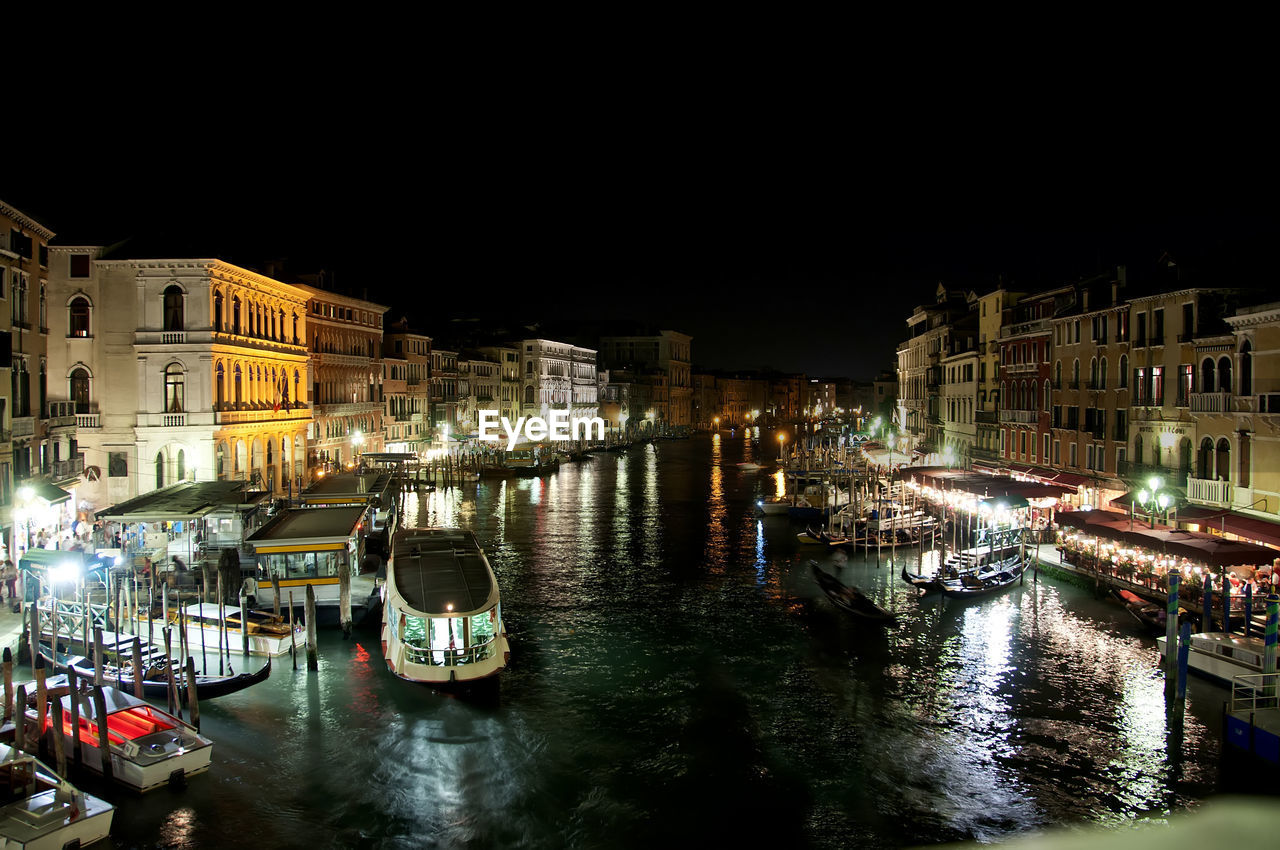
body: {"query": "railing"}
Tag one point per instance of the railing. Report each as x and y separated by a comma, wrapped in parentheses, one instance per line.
(1208, 490)
(174, 420)
(451, 657)
(1254, 691)
(59, 409)
(1132, 469)
(87, 420)
(236, 417)
(64, 469)
(173, 337)
(1211, 402)
(24, 426)
(985, 417)
(1019, 368)
(1022, 417)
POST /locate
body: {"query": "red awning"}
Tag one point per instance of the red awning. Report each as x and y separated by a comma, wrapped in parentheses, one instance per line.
(1070, 479)
(1251, 528)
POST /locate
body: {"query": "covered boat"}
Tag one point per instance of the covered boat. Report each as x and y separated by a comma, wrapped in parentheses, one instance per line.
(40, 810)
(1221, 657)
(442, 613)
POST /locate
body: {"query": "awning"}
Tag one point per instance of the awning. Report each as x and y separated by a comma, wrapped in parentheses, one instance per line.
(51, 493)
(1070, 479)
(988, 466)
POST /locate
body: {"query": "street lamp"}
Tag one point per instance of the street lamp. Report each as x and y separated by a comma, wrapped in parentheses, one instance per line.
(717, 421)
(782, 438)
(1151, 499)
(357, 440)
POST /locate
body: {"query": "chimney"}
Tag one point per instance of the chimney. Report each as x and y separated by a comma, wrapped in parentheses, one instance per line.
(1117, 286)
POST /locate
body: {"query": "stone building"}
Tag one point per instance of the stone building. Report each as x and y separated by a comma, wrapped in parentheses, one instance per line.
(344, 341)
(668, 351)
(407, 387)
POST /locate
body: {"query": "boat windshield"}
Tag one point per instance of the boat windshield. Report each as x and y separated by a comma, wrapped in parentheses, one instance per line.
(450, 641)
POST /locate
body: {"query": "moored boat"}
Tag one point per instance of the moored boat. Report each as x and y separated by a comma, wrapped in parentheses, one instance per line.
(38, 809)
(1221, 657)
(269, 634)
(1152, 615)
(442, 611)
(118, 669)
(989, 578)
(148, 747)
(850, 599)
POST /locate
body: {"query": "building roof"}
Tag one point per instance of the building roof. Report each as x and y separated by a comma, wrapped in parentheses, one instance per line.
(189, 500)
(314, 525)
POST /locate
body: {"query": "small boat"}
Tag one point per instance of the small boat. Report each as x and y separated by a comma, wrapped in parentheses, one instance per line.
(442, 613)
(850, 599)
(39, 809)
(988, 578)
(268, 633)
(774, 505)
(1222, 657)
(812, 536)
(149, 747)
(747, 466)
(1152, 615)
(118, 669)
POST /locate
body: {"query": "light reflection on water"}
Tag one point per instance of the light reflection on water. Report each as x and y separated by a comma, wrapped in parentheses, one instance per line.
(676, 666)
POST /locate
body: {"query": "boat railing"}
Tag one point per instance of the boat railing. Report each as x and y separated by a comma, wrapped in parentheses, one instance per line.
(451, 657)
(1254, 691)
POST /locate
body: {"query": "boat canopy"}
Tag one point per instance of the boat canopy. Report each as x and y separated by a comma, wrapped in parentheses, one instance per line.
(442, 572)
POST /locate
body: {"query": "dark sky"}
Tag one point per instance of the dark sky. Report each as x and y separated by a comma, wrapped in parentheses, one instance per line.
(771, 251)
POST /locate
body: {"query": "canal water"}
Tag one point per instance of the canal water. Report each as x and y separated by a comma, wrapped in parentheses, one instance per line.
(678, 678)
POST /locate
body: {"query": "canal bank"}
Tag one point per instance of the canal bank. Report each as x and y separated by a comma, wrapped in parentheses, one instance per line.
(677, 676)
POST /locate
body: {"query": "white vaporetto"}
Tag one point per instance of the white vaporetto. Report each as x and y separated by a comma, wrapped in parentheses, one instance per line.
(560, 428)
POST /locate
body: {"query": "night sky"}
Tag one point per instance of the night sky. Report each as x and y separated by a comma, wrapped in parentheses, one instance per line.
(782, 257)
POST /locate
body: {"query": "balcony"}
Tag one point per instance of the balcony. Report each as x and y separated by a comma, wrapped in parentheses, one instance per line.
(1211, 402)
(1020, 417)
(88, 420)
(1209, 491)
(1142, 471)
(24, 426)
(61, 470)
(240, 417)
(985, 417)
(1021, 368)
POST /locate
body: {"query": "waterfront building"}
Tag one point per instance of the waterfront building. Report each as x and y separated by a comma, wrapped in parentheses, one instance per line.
(40, 461)
(668, 351)
(408, 388)
(959, 406)
(885, 395)
(706, 400)
(179, 370)
(820, 399)
(1025, 395)
(932, 329)
(1163, 357)
(444, 398)
(479, 386)
(994, 310)
(344, 340)
(558, 375)
(1091, 389)
(1236, 405)
(510, 384)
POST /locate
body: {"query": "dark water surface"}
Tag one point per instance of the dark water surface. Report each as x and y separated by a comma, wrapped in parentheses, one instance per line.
(678, 678)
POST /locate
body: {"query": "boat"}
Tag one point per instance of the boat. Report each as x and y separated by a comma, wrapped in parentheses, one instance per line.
(1221, 657)
(812, 536)
(1152, 615)
(442, 612)
(990, 577)
(850, 599)
(39, 809)
(149, 747)
(774, 505)
(956, 563)
(747, 466)
(118, 669)
(269, 634)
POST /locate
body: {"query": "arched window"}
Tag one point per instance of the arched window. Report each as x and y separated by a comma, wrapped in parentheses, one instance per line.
(235, 314)
(1048, 397)
(1204, 459)
(78, 317)
(1124, 371)
(297, 387)
(1224, 375)
(220, 462)
(295, 328)
(1246, 368)
(1207, 371)
(528, 395)
(220, 385)
(80, 389)
(1093, 373)
(182, 466)
(1102, 374)
(217, 310)
(159, 470)
(44, 308)
(1184, 455)
(1075, 372)
(1222, 463)
(174, 389)
(1057, 373)
(239, 386)
(173, 318)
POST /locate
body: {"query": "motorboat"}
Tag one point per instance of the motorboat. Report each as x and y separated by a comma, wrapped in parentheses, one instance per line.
(774, 505)
(1152, 615)
(149, 748)
(269, 634)
(442, 612)
(38, 809)
(1220, 656)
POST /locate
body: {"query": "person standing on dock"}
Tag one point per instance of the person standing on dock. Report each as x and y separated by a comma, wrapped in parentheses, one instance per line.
(10, 576)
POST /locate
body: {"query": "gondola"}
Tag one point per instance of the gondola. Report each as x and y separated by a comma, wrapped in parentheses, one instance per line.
(819, 537)
(984, 581)
(155, 682)
(1152, 615)
(850, 599)
(923, 582)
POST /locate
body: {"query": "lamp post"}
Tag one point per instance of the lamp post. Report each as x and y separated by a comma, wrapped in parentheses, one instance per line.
(1152, 499)
(357, 440)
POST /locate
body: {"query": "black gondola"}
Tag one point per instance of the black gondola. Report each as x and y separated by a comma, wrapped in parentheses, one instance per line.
(850, 599)
(1152, 615)
(984, 581)
(155, 681)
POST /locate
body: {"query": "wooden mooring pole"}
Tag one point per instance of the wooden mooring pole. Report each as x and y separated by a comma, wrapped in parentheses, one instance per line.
(313, 658)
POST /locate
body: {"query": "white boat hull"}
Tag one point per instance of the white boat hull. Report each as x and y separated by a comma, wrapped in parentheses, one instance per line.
(43, 822)
(259, 644)
(146, 777)
(775, 508)
(1212, 665)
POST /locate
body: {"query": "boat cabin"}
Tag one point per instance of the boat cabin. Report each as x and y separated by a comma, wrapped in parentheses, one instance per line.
(1243, 651)
(375, 490)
